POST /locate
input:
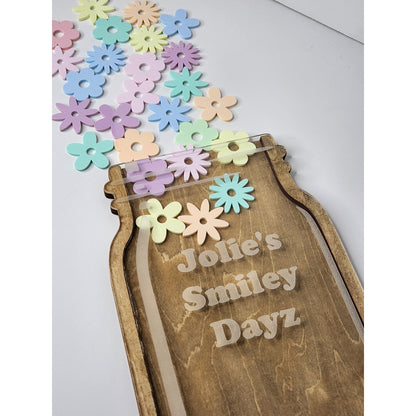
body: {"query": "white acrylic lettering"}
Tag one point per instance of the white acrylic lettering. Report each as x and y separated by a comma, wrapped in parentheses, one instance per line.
(289, 276)
(273, 242)
(190, 258)
(222, 339)
(192, 295)
(289, 315)
(270, 322)
(271, 281)
(219, 294)
(208, 258)
(250, 247)
(251, 329)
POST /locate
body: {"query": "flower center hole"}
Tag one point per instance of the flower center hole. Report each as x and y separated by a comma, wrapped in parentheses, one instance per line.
(181, 55)
(151, 178)
(168, 113)
(111, 29)
(233, 146)
(92, 7)
(90, 151)
(147, 39)
(58, 34)
(231, 192)
(161, 219)
(137, 94)
(74, 114)
(178, 23)
(185, 83)
(141, 12)
(215, 104)
(203, 220)
(105, 57)
(116, 119)
(59, 61)
(196, 137)
(188, 161)
(136, 147)
(84, 84)
(144, 67)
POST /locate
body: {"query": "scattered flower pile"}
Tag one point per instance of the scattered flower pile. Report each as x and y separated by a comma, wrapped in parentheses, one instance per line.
(153, 36)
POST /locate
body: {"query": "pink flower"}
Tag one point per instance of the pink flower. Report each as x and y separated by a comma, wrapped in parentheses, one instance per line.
(63, 34)
(144, 67)
(137, 95)
(63, 61)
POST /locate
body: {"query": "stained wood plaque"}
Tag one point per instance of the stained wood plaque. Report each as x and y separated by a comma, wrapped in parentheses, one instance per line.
(296, 344)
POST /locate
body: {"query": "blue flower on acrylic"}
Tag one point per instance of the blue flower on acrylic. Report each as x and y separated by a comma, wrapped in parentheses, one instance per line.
(84, 84)
(169, 113)
(231, 193)
(106, 58)
(186, 84)
(179, 23)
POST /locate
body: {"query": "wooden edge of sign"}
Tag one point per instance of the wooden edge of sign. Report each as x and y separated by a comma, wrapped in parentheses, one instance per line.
(128, 325)
(288, 186)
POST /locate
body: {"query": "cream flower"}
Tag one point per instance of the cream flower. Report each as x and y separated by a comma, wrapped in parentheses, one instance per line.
(215, 105)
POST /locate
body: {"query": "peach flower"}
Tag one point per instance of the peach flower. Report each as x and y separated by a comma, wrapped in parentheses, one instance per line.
(126, 146)
(215, 105)
(203, 221)
(142, 13)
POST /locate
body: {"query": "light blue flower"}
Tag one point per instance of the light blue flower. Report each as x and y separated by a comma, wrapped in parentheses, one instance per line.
(112, 30)
(231, 193)
(90, 151)
(169, 113)
(179, 23)
(186, 84)
(106, 58)
(84, 84)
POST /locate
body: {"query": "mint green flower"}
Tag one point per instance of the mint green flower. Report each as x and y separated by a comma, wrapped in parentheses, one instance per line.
(196, 133)
(112, 30)
(186, 84)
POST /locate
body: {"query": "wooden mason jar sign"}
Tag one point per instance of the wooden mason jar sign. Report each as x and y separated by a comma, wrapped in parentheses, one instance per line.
(263, 318)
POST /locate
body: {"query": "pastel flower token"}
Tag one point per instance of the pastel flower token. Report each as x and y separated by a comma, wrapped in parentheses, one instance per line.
(179, 23)
(183, 54)
(84, 84)
(64, 61)
(148, 39)
(112, 30)
(162, 219)
(90, 151)
(126, 146)
(138, 95)
(234, 148)
(188, 162)
(151, 177)
(141, 13)
(197, 134)
(75, 114)
(63, 34)
(169, 113)
(215, 105)
(144, 67)
(92, 9)
(231, 193)
(203, 222)
(107, 59)
(185, 84)
(116, 119)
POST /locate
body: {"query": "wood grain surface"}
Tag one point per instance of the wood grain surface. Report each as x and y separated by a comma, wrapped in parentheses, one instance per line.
(314, 368)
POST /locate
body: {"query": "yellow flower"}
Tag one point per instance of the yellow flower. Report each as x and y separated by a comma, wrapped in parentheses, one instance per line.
(93, 9)
(232, 147)
(148, 39)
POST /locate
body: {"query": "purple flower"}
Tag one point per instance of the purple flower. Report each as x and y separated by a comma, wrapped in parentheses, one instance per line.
(75, 114)
(183, 54)
(151, 177)
(116, 119)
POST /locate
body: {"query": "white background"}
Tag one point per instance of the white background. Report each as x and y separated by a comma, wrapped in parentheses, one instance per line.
(293, 77)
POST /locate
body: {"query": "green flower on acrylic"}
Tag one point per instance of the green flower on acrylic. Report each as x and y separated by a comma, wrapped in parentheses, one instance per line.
(196, 133)
(112, 30)
(90, 151)
(234, 148)
(162, 219)
(186, 84)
